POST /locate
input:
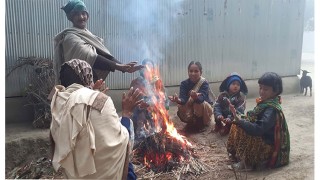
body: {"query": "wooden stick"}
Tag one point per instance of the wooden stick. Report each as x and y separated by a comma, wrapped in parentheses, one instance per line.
(140, 169)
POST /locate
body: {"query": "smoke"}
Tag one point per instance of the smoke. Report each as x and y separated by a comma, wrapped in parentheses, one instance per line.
(145, 32)
(148, 25)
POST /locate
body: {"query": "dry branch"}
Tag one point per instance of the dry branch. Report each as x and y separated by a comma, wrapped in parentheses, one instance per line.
(40, 81)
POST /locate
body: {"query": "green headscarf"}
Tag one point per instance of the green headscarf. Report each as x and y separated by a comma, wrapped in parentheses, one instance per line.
(74, 5)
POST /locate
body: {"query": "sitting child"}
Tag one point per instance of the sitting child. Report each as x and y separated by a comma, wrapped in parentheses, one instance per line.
(194, 104)
(261, 139)
(233, 90)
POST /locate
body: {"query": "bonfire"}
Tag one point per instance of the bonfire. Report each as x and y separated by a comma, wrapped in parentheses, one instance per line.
(165, 150)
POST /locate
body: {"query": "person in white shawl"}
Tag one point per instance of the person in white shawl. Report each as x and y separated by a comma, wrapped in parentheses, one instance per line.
(88, 139)
(77, 42)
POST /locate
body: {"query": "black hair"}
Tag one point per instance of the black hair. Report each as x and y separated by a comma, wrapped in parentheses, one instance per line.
(68, 76)
(144, 62)
(273, 80)
(196, 63)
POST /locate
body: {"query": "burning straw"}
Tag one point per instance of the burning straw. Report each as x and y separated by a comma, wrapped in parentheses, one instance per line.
(165, 151)
(162, 153)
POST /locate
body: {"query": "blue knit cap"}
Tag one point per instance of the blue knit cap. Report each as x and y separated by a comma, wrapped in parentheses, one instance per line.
(233, 78)
(74, 5)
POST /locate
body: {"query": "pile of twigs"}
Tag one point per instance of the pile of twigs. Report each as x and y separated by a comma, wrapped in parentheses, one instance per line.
(40, 169)
(193, 167)
(152, 154)
(40, 80)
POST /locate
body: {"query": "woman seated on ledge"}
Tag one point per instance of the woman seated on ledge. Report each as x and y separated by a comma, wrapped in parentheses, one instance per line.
(261, 139)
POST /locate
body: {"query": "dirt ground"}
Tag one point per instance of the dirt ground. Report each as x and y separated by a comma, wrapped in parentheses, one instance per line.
(25, 144)
(299, 112)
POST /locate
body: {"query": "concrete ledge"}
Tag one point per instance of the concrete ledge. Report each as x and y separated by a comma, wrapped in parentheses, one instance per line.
(17, 111)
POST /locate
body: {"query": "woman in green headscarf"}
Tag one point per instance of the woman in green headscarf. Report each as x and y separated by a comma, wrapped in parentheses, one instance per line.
(261, 139)
(77, 42)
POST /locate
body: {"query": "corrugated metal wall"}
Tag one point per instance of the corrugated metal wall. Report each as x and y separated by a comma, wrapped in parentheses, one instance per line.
(247, 36)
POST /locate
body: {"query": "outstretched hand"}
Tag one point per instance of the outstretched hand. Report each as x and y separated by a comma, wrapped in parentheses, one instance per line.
(232, 109)
(100, 85)
(220, 118)
(129, 67)
(123, 67)
(234, 113)
(133, 67)
(130, 100)
(227, 121)
(194, 95)
(174, 98)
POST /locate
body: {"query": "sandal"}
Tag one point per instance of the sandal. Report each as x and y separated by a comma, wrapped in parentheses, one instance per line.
(239, 166)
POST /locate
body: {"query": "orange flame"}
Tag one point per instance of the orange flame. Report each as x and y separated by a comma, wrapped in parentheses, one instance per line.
(162, 122)
(159, 112)
(146, 162)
